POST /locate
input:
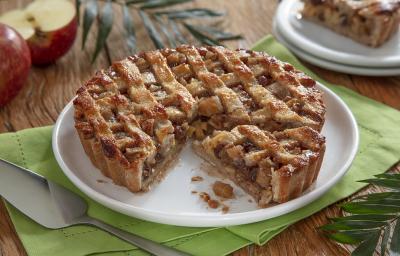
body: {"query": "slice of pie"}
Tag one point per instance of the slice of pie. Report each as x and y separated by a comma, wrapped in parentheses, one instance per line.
(371, 22)
(257, 118)
(269, 166)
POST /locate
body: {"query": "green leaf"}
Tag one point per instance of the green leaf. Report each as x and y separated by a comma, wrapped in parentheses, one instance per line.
(89, 15)
(357, 208)
(105, 25)
(387, 183)
(368, 246)
(190, 13)
(366, 217)
(354, 225)
(385, 201)
(343, 238)
(128, 2)
(395, 243)
(200, 36)
(103, 14)
(218, 34)
(129, 29)
(351, 236)
(389, 176)
(177, 32)
(385, 239)
(361, 234)
(164, 30)
(373, 217)
(151, 30)
(161, 3)
(77, 8)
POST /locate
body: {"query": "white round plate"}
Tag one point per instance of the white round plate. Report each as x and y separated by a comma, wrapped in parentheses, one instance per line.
(326, 44)
(172, 202)
(333, 65)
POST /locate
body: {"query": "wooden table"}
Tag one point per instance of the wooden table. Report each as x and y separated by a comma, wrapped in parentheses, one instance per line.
(50, 88)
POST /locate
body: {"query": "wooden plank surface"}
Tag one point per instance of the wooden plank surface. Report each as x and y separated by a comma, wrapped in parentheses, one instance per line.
(50, 88)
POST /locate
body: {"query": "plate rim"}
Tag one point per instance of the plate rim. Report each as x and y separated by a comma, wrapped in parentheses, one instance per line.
(343, 68)
(310, 46)
(209, 220)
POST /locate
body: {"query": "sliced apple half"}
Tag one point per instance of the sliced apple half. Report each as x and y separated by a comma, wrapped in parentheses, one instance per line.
(48, 26)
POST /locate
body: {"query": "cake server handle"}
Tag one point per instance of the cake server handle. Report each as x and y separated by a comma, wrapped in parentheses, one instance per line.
(148, 245)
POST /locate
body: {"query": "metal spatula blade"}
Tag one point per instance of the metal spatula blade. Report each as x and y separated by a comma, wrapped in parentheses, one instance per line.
(54, 206)
(43, 201)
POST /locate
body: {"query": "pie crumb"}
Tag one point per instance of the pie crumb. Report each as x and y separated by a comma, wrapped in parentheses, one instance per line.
(222, 189)
(204, 196)
(213, 203)
(101, 181)
(194, 192)
(225, 209)
(197, 178)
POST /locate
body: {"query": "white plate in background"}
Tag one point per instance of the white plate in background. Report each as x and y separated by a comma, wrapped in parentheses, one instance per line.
(355, 70)
(326, 44)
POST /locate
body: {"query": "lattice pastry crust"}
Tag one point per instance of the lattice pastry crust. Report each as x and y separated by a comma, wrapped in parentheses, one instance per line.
(134, 117)
(371, 22)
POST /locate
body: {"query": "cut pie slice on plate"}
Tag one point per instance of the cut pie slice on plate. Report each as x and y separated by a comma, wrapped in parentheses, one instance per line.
(271, 167)
(370, 22)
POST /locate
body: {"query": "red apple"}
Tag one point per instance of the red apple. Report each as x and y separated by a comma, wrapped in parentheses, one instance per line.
(14, 65)
(48, 26)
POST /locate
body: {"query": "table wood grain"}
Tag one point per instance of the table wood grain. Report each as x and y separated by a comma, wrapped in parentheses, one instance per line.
(50, 88)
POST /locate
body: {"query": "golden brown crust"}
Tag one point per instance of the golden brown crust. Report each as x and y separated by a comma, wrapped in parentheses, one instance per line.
(131, 116)
(371, 22)
(284, 162)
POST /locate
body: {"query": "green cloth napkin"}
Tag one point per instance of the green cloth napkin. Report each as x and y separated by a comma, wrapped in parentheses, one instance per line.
(31, 148)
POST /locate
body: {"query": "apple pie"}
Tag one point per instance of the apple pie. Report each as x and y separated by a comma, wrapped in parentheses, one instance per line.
(371, 22)
(255, 117)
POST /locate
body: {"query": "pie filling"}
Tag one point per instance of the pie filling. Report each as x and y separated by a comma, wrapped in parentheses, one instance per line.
(134, 118)
(274, 166)
(370, 22)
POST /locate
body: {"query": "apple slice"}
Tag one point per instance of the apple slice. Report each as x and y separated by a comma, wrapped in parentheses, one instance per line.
(48, 26)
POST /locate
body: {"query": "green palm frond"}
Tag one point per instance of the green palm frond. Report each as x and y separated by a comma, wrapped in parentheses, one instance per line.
(373, 220)
(166, 28)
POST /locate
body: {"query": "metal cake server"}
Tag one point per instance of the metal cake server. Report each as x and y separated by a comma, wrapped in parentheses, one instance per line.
(55, 207)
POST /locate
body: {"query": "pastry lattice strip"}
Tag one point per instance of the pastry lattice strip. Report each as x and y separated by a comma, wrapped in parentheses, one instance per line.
(291, 83)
